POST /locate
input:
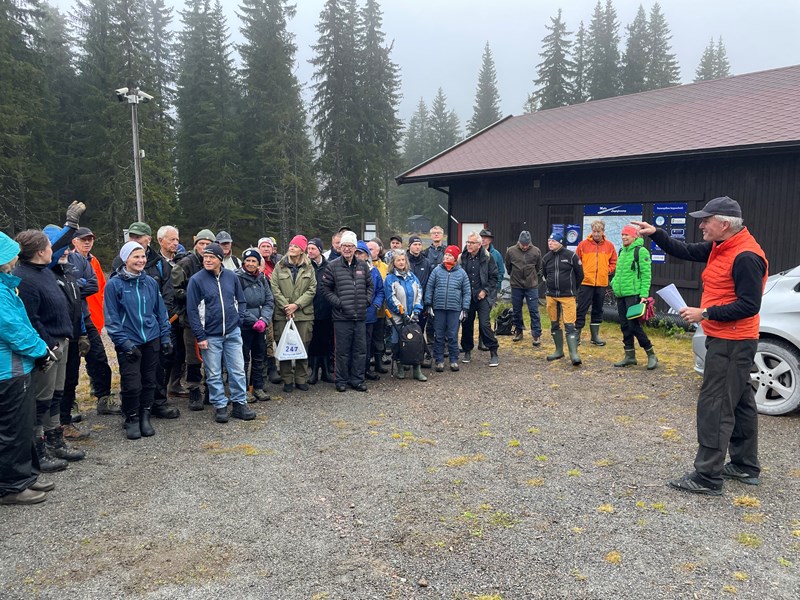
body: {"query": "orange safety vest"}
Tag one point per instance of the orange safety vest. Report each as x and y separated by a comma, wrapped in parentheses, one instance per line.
(95, 301)
(719, 288)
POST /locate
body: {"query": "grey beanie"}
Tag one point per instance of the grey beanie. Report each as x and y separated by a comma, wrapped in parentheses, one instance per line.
(525, 237)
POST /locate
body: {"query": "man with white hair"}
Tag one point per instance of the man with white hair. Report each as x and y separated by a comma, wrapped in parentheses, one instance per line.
(733, 283)
(482, 272)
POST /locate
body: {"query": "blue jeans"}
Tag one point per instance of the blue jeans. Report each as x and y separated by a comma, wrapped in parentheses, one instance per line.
(531, 296)
(229, 347)
(445, 327)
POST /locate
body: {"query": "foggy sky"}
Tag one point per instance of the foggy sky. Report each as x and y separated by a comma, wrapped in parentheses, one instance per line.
(440, 42)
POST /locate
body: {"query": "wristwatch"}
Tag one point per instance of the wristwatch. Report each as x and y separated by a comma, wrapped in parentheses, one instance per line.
(705, 313)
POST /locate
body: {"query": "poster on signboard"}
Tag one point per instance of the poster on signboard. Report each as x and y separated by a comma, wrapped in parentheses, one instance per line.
(615, 216)
(573, 236)
(671, 217)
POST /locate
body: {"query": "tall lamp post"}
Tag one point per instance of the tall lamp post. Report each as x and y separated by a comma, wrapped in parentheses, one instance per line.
(134, 97)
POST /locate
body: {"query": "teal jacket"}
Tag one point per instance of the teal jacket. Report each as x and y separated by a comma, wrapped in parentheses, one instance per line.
(501, 267)
(632, 277)
(20, 345)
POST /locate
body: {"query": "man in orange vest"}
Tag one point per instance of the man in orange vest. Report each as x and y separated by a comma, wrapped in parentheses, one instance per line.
(733, 283)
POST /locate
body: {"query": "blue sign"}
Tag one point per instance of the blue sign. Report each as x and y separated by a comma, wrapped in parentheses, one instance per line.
(612, 209)
(573, 235)
(558, 228)
(670, 209)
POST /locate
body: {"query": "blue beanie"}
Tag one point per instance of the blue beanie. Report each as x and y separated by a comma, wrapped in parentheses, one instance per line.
(557, 236)
(8, 249)
(252, 253)
(362, 247)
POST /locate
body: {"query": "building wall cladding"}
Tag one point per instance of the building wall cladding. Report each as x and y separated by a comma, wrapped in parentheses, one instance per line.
(766, 185)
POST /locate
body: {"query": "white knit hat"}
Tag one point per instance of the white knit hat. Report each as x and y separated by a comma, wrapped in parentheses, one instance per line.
(348, 237)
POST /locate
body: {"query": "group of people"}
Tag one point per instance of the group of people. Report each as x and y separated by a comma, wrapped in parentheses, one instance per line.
(205, 315)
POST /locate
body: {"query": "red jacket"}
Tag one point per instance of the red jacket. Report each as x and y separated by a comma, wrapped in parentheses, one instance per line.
(95, 301)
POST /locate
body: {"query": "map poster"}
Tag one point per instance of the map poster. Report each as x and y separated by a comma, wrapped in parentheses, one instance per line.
(615, 216)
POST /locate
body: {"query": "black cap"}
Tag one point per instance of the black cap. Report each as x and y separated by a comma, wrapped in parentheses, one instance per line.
(486, 233)
(399, 238)
(215, 250)
(83, 232)
(413, 239)
(724, 207)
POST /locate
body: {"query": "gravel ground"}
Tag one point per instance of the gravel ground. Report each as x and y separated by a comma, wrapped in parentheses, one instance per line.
(532, 480)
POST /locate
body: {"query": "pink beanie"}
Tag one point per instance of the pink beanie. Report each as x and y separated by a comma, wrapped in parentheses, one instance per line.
(300, 241)
(630, 230)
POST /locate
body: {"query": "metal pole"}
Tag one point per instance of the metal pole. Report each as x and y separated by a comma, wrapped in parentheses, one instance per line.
(137, 160)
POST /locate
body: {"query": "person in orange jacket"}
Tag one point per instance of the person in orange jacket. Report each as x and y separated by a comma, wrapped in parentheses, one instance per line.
(599, 258)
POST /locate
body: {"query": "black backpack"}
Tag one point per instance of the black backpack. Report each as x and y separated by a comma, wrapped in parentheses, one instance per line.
(412, 344)
(504, 324)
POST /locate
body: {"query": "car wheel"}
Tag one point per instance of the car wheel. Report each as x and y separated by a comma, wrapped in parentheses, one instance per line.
(776, 378)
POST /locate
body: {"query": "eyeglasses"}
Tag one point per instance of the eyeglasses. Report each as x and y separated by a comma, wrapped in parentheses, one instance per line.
(473, 242)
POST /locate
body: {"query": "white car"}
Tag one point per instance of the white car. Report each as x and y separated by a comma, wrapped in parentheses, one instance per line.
(776, 372)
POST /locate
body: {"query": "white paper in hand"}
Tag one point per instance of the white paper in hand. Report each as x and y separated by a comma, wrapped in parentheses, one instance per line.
(672, 297)
(290, 346)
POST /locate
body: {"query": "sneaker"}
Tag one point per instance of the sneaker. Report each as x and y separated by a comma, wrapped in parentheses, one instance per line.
(261, 395)
(221, 415)
(687, 484)
(24, 497)
(108, 405)
(494, 360)
(454, 366)
(467, 357)
(731, 471)
(517, 335)
(440, 367)
(243, 412)
(73, 433)
(287, 388)
(537, 341)
(303, 387)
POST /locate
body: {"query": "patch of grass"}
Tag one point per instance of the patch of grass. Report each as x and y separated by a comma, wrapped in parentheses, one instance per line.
(541, 458)
(396, 436)
(796, 533)
(577, 575)
(574, 472)
(729, 589)
(321, 596)
(485, 433)
(754, 518)
(460, 461)
(513, 443)
(749, 540)
(606, 508)
(502, 519)
(374, 423)
(783, 562)
(689, 567)
(613, 557)
(533, 430)
(244, 449)
(794, 473)
(623, 419)
(671, 434)
(576, 530)
(748, 501)
(340, 423)
(603, 462)
(535, 482)
(740, 576)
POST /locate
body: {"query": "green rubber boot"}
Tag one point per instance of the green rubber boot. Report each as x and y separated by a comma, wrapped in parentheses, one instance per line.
(630, 358)
(558, 339)
(418, 374)
(595, 329)
(652, 359)
(578, 333)
(572, 345)
(399, 371)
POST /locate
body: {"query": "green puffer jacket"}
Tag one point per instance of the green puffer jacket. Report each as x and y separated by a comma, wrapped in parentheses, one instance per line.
(631, 279)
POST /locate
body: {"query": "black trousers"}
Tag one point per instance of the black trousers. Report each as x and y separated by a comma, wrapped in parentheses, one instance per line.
(483, 310)
(590, 296)
(350, 339)
(17, 454)
(377, 345)
(96, 367)
(631, 328)
(727, 417)
(138, 379)
(254, 348)
(321, 338)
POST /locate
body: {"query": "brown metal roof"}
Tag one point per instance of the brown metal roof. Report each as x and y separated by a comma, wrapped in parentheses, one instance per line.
(734, 113)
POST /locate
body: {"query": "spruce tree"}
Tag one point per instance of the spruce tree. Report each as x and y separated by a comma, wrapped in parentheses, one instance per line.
(486, 109)
(556, 71)
(722, 65)
(444, 129)
(603, 68)
(707, 69)
(662, 66)
(635, 61)
(579, 57)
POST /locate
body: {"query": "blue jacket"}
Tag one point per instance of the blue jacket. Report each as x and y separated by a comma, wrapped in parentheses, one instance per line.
(86, 278)
(448, 290)
(402, 290)
(215, 304)
(377, 296)
(258, 295)
(20, 345)
(134, 311)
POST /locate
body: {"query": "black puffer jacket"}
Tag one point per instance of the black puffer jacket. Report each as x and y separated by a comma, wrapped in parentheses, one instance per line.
(348, 288)
(563, 272)
(488, 274)
(322, 308)
(68, 283)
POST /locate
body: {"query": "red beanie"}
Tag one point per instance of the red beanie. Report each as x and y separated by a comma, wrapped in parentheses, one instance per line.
(300, 241)
(630, 230)
(452, 250)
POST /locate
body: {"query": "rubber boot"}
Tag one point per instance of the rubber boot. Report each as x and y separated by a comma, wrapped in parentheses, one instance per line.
(652, 359)
(595, 329)
(54, 439)
(418, 374)
(379, 368)
(313, 369)
(326, 370)
(630, 358)
(272, 371)
(132, 429)
(47, 462)
(558, 339)
(572, 345)
(578, 333)
(145, 426)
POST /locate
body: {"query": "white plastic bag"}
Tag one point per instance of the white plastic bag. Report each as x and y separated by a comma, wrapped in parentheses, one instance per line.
(290, 346)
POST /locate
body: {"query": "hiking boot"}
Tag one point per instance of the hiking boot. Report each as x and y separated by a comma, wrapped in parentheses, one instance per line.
(652, 360)
(467, 357)
(272, 372)
(313, 370)
(165, 411)
(54, 438)
(144, 423)
(440, 367)
(361, 387)
(731, 471)
(427, 361)
(558, 340)
(303, 387)
(42, 486)
(195, 399)
(221, 414)
(399, 371)
(73, 433)
(418, 374)
(493, 359)
(372, 376)
(517, 335)
(595, 329)
(28, 496)
(132, 429)
(287, 388)
(572, 346)
(107, 405)
(47, 462)
(454, 366)
(379, 368)
(687, 484)
(261, 396)
(243, 412)
(343, 388)
(537, 341)
(76, 418)
(630, 358)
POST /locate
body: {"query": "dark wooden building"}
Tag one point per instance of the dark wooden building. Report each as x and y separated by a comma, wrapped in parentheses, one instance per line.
(658, 155)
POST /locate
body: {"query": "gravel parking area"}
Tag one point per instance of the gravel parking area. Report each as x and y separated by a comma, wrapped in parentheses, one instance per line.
(531, 480)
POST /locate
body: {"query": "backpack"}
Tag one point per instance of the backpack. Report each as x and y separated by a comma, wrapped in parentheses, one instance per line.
(503, 325)
(412, 344)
